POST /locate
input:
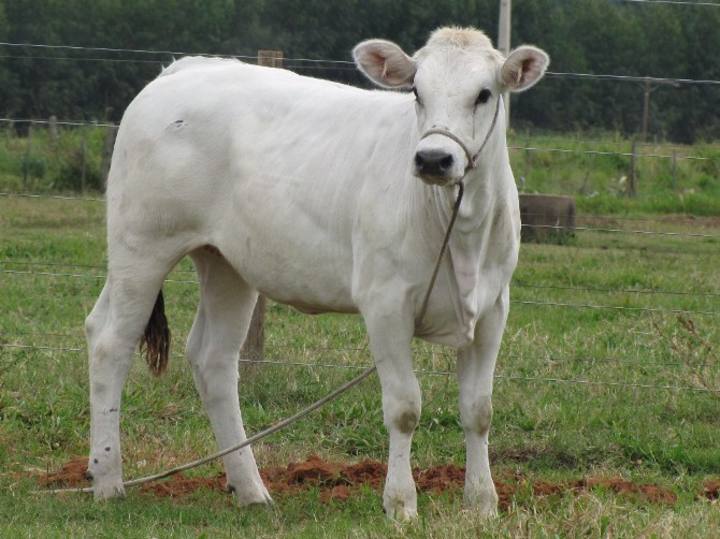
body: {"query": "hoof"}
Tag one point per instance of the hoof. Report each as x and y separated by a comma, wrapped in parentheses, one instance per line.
(257, 495)
(402, 514)
(105, 490)
(483, 502)
(401, 510)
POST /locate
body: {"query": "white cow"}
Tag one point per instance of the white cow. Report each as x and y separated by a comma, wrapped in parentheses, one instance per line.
(327, 198)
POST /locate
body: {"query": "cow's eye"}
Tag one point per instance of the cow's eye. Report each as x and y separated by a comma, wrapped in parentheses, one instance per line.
(417, 97)
(483, 97)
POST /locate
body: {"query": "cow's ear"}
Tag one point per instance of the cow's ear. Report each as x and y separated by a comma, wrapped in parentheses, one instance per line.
(524, 67)
(385, 63)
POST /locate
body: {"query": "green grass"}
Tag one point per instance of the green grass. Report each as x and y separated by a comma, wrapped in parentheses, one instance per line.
(543, 429)
(38, 163)
(598, 182)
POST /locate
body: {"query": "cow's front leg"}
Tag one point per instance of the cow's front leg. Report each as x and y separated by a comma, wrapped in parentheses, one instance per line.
(476, 368)
(390, 334)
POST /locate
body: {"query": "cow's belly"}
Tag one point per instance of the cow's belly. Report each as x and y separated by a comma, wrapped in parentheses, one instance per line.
(281, 248)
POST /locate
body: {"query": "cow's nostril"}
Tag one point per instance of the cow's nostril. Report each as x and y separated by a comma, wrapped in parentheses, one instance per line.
(446, 162)
(433, 162)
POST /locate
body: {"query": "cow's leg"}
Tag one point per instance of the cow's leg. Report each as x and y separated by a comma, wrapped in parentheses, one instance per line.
(113, 330)
(476, 367)
(219, 329)
(390, 334)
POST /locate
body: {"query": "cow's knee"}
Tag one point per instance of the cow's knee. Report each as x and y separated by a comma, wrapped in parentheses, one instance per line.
(403, 413)
(476, 413)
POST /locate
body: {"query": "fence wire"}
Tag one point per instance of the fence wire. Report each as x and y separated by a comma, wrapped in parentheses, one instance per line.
(514, 284)
(549, 360)
(524, 225)
(595, 76)
(541, 149)
(516, 302)
(427, 372)
(99, 277)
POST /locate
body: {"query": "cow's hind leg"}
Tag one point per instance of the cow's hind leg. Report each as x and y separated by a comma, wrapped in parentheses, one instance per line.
(476, 368)
(113, 330)
(219, 329)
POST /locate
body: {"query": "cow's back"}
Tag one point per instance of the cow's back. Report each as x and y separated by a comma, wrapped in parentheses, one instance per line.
(266, 164)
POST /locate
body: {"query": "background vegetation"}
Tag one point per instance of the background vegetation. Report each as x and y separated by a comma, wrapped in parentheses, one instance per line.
(595, 36)
(599, 182)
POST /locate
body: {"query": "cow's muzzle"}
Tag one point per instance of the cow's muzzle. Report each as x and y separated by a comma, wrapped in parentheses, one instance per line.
(437, 165)
(433, 163)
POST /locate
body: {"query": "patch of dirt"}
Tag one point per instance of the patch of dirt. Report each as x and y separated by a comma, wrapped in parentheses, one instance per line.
(545, 488)
(652, 493)
(179, 485)
(72, 474)
(711, 490)
(338, 481)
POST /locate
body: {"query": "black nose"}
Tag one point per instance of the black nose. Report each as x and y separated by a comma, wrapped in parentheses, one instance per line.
(433, 162)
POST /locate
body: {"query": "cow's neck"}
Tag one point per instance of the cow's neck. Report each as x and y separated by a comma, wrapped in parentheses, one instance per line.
(485, 185)
(478, 249)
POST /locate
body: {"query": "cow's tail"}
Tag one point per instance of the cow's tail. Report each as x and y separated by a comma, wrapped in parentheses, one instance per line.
(155, 342)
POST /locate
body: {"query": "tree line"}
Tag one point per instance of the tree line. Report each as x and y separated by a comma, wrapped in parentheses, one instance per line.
(585, 36)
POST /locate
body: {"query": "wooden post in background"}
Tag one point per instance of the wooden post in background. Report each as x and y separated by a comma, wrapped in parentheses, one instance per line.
(504, 28)
(53, 128)
(254, 346)
(83, 160)
(647, 90)
(674, 170)
(26, 159)
(632, 173)
(270, 57)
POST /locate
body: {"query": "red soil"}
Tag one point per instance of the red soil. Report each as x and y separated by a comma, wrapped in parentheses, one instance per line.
(71, 474)
(338, 481)
(652, 493)
(711, 490)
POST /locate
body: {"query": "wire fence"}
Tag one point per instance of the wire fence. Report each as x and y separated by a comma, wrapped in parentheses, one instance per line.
(288, 362)
(335, 62)
(676, 2)
(519, 284)
(194, 282)
(329, 64)
(527, 148)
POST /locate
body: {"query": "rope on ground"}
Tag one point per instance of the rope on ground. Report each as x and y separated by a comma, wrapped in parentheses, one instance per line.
(262, 434)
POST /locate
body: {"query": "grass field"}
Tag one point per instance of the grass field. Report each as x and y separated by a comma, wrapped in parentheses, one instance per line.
(649, 409)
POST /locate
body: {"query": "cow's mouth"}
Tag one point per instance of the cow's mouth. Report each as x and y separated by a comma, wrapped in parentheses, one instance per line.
(437, 179)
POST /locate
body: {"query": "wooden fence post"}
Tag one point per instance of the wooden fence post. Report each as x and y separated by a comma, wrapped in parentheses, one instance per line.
(53, 127)
(674, 170)
(26, 160)
(632, 173)
(83, 160)
(254, 346)
(270, 57)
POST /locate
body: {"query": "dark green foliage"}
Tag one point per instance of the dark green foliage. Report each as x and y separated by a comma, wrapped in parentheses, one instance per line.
(591, 36)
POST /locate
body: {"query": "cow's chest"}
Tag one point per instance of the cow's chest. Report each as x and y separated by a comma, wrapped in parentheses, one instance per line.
(457, 304)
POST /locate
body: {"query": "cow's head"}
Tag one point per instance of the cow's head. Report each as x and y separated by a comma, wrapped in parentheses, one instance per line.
(457, 79)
